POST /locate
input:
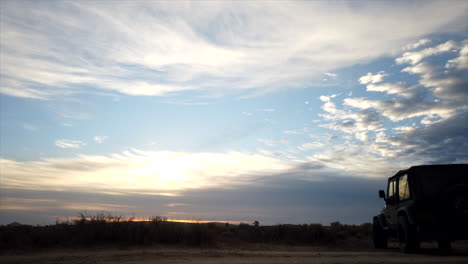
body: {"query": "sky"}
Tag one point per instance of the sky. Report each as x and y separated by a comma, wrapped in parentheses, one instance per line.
(278, 111)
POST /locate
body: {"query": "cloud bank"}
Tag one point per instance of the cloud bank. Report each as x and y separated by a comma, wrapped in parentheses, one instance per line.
(138, 171)
(415, 123)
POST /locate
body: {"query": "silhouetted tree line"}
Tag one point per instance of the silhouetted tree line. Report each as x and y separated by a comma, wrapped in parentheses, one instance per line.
(104, 229)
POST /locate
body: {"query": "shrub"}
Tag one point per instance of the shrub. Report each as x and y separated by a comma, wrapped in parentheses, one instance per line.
(102, 228)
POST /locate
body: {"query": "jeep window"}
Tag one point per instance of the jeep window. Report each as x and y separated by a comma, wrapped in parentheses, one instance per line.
(403, 188)
(391, 189)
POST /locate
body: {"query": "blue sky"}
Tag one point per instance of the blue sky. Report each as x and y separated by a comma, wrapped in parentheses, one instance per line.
(272, 111)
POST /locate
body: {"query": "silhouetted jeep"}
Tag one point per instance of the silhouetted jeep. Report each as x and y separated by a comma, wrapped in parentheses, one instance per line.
(427, 202)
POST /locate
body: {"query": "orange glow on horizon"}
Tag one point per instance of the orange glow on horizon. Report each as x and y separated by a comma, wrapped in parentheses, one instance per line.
(203, 221)
(123, 219)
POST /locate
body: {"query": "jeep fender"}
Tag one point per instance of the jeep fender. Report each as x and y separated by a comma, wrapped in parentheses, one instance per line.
(404, 211)
(382, 220)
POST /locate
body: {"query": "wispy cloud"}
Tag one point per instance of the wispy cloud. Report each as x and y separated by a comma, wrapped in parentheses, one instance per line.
(29, 127)
(14, 88)
(417, 44)
(330, 74)
(273, 142)
(202, 46)
(372, 78)
(311, 145)
(359, 160)
(297, 131)
(68, 143)
(74, 115)
(100, 139)
(414, 57)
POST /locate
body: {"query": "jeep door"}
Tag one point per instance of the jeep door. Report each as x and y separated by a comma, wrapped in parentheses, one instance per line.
(390, 210)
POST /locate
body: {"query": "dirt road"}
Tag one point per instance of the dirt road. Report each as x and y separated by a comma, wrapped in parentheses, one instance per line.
(293, 255)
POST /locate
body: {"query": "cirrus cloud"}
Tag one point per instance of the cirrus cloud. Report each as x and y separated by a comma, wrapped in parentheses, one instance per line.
(211, 47)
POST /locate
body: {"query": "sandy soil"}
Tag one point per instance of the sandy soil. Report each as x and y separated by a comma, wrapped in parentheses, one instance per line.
(277, 255)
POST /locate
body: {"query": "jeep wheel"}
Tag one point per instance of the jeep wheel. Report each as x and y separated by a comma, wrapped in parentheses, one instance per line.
(445, 246)
(407, 236)
(443, 235)
(378, 235)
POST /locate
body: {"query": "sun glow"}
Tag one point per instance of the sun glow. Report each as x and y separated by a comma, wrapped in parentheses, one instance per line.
(139, 171)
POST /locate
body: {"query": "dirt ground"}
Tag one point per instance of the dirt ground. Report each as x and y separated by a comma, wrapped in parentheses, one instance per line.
(234, 256)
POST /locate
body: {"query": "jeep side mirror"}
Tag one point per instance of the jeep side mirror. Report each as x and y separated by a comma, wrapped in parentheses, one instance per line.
(382, 194)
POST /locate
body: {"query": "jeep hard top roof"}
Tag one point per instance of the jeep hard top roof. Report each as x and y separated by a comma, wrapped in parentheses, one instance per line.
(431, 180)
(459, 169)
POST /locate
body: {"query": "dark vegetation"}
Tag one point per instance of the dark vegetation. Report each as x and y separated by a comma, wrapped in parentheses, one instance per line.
(102, 229)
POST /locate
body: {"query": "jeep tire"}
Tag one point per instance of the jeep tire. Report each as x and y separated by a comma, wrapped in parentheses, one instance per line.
(378, 234)
(407, 236)
(443, 234)
(445, 246)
